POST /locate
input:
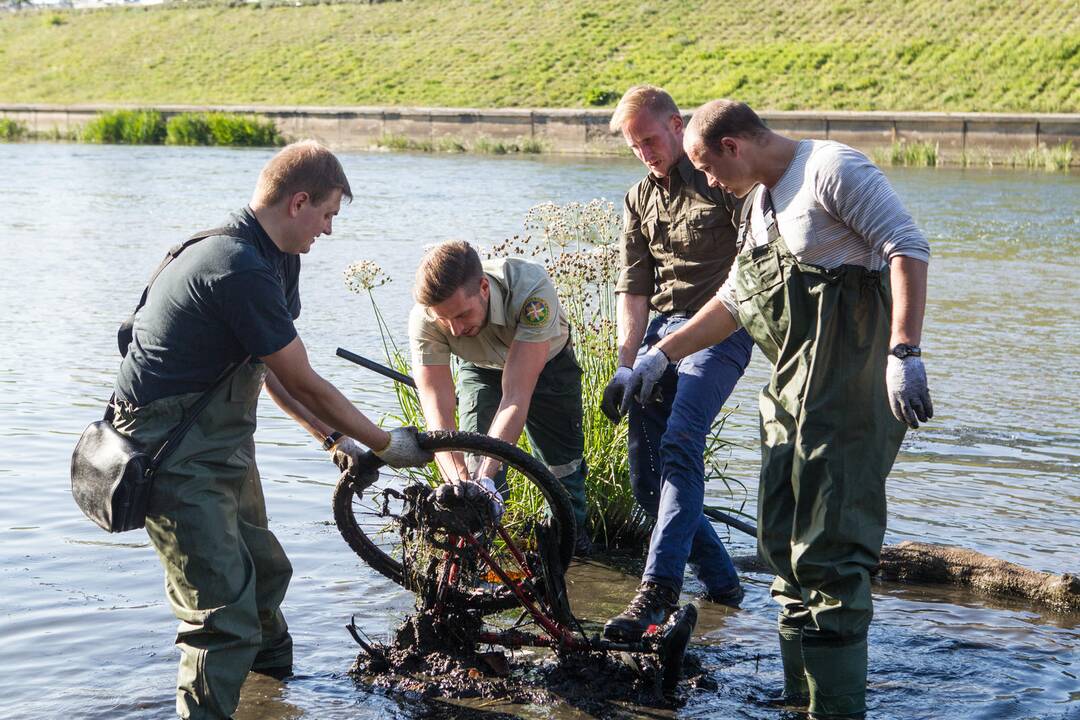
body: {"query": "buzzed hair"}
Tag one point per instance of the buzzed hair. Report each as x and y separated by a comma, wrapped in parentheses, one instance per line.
(643, 97)
(305, 166)
(444, 269)
(725, 118)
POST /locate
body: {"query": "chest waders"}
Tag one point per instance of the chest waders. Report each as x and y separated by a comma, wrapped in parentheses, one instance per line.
(225, 572)
(828, 440)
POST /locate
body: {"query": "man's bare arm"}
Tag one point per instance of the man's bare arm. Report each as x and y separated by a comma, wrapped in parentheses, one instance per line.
(711, 324)
(435, 386)
(291, 368)
(304, 417)
(908, 276)
(524, 363)
(632, 316)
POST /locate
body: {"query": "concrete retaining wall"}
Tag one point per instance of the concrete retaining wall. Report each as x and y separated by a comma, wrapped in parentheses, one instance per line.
(980, 135)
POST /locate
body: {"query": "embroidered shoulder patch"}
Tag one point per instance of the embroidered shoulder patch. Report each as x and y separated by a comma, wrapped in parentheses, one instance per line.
(535, 311)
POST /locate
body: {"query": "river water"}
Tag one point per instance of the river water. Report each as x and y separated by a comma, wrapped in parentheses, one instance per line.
(84, 627)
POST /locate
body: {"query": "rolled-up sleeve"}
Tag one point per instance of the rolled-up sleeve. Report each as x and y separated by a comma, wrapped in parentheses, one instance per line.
(636, 274)
(856, 192)
(428, 346)
(726, 295)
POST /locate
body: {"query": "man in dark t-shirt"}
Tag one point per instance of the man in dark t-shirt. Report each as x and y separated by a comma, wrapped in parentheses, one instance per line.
(228, 299)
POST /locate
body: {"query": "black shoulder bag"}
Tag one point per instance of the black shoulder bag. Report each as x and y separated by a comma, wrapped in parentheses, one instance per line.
(110, 474)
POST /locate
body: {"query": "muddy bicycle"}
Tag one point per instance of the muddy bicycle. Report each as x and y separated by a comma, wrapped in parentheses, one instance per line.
(468, 566)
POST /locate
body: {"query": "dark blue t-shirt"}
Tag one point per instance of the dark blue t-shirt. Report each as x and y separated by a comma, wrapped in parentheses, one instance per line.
(221, 299)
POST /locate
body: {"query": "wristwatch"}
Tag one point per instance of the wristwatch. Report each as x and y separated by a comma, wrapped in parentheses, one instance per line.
(902, 350)
(331, 440)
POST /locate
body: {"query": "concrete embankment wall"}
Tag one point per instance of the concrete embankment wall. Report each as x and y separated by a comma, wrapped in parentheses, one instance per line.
(981, 136)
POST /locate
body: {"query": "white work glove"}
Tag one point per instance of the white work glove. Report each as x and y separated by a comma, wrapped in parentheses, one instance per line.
(611, 400)
(647, 372)
(905, 381)
(404, 449)
(346, 453)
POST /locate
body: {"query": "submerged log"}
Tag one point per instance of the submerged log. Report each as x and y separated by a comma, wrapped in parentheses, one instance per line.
(931, 564)
(917, 562)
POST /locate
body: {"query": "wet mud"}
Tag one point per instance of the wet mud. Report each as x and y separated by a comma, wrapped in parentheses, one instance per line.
(425, 663)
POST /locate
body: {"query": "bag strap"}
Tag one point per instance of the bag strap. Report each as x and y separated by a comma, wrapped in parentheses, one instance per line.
(190, 416)
(124, 334)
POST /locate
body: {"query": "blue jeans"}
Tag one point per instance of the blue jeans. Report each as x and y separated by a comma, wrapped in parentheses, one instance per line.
(667, 464)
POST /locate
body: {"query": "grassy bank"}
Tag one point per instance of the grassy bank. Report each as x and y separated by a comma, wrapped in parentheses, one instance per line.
(819, 54)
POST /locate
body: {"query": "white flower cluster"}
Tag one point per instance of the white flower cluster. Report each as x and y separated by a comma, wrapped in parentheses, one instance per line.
(364, 276)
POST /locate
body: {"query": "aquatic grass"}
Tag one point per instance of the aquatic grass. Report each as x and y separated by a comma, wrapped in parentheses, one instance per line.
(218, 128)
(1052, 159)
(12, 130)
(150, 127)
(482, 145)
(126, 127)
(576, 242)
(915, 154)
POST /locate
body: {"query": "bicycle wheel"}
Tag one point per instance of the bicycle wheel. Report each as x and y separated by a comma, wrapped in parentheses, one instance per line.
(368, 514)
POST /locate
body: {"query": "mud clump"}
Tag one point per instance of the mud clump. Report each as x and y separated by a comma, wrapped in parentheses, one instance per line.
(426, 662)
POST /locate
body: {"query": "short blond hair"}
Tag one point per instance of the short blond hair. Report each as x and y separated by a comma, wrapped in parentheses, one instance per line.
(643, 97)
(305, 166)
(444, 269)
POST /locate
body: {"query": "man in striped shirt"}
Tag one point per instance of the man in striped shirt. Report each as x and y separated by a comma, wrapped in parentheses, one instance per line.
(830, 282)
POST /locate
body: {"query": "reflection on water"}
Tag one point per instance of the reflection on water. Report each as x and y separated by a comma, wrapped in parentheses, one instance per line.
(86, 631)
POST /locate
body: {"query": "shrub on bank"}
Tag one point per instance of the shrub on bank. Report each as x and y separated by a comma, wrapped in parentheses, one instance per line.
(217, 128)
(12, 130)
(149, 127)
(126, 127)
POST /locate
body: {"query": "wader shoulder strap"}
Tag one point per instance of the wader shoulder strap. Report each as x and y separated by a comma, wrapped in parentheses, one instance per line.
(744, 218)
(124, 334)
(770, 216)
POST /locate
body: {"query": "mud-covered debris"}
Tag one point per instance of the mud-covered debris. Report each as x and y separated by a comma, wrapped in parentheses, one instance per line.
(596, 683)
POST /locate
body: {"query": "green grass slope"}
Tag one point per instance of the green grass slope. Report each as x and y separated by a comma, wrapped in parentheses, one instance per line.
(969, 55)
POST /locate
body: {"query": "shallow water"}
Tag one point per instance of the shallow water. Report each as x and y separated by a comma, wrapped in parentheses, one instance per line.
(86, 631)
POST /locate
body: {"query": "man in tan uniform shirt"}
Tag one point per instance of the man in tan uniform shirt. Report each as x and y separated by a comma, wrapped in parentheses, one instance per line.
(503, 320)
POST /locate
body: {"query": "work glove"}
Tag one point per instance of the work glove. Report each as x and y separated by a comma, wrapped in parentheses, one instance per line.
(346, 453)
(611, 400)
(647, 372)
(404, 449)
(905, 381)
(471, 491)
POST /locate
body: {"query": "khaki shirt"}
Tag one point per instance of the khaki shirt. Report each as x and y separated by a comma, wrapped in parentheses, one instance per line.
(677, 245)
(523, 306)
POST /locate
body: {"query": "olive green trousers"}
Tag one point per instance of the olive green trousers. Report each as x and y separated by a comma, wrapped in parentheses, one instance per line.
(828, 441)
(225, 572)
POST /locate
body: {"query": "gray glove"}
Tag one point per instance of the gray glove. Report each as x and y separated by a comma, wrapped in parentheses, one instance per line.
(647, 372)
(346, 453)
(905, 381)
(611, 400)
(404, 449)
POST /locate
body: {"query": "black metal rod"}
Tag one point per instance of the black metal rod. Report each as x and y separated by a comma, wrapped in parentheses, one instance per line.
(732, 521)
(377, 367)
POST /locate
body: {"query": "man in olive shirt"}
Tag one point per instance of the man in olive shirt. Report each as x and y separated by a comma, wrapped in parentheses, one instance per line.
(503, 319)
(677, 246)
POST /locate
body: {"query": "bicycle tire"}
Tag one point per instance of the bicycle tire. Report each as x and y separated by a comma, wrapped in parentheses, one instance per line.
(555, 496)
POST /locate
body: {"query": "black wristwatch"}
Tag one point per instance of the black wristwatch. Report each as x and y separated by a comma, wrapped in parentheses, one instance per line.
(330, 440)
(902, 350)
